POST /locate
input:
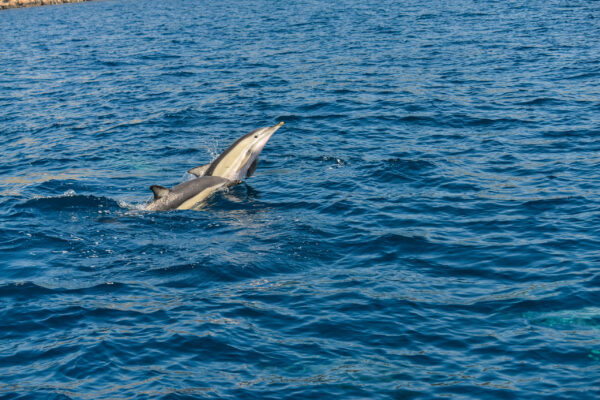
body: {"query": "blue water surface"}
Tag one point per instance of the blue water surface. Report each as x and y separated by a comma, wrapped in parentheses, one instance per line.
(426, 224)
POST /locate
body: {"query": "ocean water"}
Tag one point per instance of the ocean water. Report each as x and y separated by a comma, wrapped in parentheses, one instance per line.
(424, 225)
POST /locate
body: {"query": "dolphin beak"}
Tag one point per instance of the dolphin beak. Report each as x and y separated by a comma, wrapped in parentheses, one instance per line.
(273, 129)
(266, 135)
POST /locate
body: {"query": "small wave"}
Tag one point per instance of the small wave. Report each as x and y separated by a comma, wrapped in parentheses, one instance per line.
(315, 106)
(585, 75)
(325, 117)
(179, 73)
(463, 120)
(588, 317)
(24, 290)
(570, 133)
(289, 118)
(342, 91)
(419, 120)
(541, 101)
(551, 203)
(460, 187)
(28, 289)
(409, 164)
(159, 56)
(178, 118)
(402, 169)
(111, 63)
(251, 85)
(69, 201)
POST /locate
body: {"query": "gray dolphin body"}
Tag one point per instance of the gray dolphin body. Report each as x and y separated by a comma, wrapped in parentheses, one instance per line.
(235, 163)
(241, 158)
(187, 195)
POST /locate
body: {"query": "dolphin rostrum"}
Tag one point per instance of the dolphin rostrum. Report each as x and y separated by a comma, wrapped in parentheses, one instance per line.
(187, 195)
(241, 158)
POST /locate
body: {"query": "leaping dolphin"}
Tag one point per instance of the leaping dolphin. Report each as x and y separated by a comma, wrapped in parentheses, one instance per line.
(187, 195)
(241, 158)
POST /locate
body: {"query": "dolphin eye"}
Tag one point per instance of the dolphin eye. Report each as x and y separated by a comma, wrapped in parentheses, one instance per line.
(255, 136)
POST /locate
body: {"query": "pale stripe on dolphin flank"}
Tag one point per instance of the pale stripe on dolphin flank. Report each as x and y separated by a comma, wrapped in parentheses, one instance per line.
(186, 195)
(200, 197)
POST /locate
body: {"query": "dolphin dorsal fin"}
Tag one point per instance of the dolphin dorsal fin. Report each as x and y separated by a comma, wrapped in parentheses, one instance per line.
(159, 191)
(199, 171)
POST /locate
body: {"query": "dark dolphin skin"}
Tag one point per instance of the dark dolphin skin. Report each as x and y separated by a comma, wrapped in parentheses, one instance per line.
(187, 195)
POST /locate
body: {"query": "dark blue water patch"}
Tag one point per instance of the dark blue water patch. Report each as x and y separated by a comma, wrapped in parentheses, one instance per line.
(541, 205)
(180, 74)
(543, 101)
(567, 133)
(181, 118)
(317, 117)
(586, 75)
(399, 169)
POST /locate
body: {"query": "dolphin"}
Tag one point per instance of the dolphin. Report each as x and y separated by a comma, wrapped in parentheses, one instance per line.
(241, 158)
(187, 195)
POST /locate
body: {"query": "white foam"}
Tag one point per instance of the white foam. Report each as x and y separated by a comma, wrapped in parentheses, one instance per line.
(133, 206)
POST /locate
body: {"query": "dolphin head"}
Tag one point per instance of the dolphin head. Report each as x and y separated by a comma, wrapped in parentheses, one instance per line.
(239, 160)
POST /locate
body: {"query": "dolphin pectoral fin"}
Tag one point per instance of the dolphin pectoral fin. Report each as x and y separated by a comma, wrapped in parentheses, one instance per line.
(199, 171)
(252, 168)
(159, 191)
